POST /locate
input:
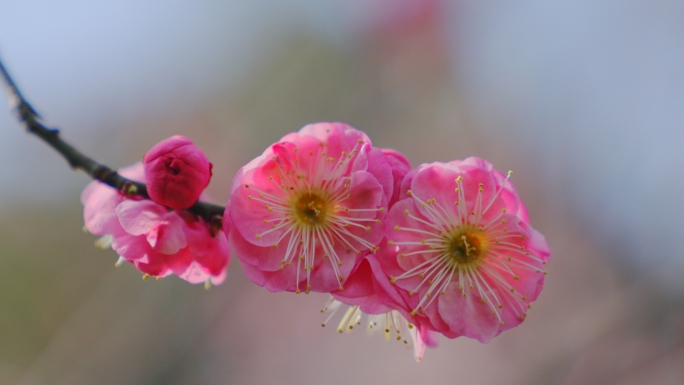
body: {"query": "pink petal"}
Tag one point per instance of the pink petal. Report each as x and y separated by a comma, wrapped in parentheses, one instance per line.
(99, 209)
(163, 229)
(400, 167)
(211, 253)
(274, 282)
(132, 247)
(381, 169)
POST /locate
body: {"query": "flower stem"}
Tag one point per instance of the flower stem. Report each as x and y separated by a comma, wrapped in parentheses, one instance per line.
(210, 212)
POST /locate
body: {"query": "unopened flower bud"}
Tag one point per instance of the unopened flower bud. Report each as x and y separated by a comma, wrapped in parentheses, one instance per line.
(176, 172)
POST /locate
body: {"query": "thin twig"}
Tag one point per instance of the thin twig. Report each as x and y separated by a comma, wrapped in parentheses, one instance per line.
(210, 212)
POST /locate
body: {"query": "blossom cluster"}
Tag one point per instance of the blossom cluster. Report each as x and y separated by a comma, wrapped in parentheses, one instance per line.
(155, 238)
(442, 248)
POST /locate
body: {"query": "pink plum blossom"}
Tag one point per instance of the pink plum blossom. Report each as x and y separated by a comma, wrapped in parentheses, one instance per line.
(467, 261)
(158, 242)
(176, 172)
(308, 207)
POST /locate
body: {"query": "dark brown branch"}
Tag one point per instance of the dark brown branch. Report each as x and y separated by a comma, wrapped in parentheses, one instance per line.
(31, 120)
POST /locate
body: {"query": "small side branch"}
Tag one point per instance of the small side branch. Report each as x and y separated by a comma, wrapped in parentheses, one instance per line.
(210, 212)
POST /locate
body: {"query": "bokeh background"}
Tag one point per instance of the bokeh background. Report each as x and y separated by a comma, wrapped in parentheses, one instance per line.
(584, 100)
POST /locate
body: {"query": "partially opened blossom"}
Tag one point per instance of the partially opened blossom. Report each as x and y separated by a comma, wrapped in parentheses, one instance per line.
(157, 241)
(176, 172)
(308, 207)
(369, 295)
(468, 263)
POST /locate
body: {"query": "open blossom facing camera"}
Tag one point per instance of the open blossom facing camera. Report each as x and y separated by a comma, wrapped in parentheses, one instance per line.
(308, 207)
(157, 241)
(467, 261)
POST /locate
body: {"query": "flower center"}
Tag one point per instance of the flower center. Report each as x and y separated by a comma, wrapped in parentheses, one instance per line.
(311, 208)
(466, 246)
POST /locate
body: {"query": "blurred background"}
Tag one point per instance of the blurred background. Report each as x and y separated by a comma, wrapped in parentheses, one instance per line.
(583, 100)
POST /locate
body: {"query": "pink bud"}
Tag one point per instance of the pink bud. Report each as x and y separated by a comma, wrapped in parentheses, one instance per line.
(176, 172)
